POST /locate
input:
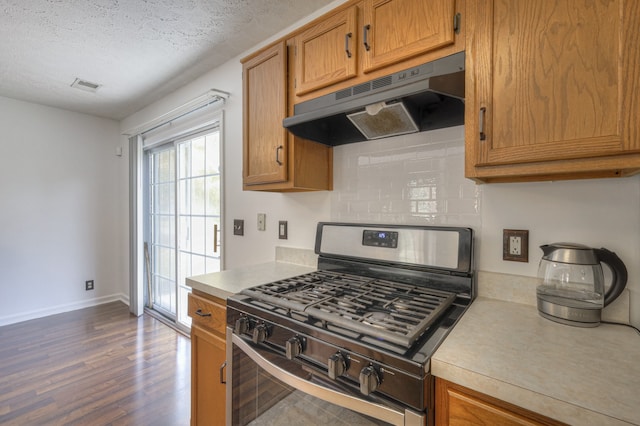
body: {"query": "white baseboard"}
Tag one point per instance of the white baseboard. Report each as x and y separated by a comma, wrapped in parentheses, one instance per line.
(52, 310)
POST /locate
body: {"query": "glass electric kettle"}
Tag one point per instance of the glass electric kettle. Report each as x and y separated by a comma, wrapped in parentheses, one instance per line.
(571, 286)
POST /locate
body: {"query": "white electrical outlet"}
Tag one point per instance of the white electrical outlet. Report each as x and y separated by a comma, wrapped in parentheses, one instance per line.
(262, 221)
(515, 245)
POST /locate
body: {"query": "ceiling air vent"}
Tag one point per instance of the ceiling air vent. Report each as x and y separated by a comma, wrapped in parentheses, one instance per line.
(85, 85)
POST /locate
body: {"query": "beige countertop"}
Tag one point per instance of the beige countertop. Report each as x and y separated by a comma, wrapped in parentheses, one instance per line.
(226, 283)
(581, 376)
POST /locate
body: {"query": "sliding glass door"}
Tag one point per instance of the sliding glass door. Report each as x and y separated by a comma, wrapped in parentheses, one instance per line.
(183, 221)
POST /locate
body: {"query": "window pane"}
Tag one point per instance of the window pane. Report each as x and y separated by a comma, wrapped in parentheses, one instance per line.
(197, 156)
(185, 233)
(184, 194)
(197, 196)
(166, 262)
(198, 235)
(185, 268)
(165, 200)
(213, 153)
(184, 163)
(198, 265)
(166, 166)
(213, 265)
(166, 231)
(213, 195)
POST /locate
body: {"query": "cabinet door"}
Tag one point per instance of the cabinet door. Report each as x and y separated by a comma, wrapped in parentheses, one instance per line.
(394, 30)
(456, 405)
(265, 106)
(208, 393)
(551, 80)
(327, 52)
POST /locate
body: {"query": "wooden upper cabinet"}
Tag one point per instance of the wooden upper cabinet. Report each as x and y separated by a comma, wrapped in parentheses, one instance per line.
(327, 53)
(553, 89)
(273, 159)
(364, 40)
(395, 30)
(265, 106)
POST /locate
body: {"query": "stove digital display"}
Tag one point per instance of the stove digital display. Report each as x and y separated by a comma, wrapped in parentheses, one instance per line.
(388, 239)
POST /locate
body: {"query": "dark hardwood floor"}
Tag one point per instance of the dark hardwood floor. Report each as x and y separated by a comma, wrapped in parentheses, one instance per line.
(94, 366)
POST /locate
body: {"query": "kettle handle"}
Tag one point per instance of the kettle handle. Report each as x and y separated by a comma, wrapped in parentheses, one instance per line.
(618, 272)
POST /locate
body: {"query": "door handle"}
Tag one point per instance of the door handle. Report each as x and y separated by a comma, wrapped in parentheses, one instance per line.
(202, 314)
(278, 155)
(222, 367)
(347, 37)
(483, 112)
(215, 238)
(365, 34)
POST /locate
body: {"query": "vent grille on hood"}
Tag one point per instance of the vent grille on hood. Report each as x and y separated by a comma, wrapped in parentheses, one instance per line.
(382, 120)
(426, 97)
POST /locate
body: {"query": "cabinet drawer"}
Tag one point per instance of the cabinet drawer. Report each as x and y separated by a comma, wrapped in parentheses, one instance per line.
(208, 314)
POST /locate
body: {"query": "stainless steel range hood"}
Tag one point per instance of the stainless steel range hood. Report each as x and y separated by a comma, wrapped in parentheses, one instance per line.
(427, 97)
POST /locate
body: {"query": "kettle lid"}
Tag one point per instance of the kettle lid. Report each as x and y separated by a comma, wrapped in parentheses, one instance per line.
(570, 253)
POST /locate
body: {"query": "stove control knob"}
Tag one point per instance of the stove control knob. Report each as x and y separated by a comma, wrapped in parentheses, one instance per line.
(369, 380)
(259, 333)
(336, 365)
(242, 325)
(293, 347)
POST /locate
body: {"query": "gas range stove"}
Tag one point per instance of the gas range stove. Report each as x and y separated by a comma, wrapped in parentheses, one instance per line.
(383, 299)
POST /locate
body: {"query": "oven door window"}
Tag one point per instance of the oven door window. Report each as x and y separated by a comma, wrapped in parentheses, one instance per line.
(260, 398)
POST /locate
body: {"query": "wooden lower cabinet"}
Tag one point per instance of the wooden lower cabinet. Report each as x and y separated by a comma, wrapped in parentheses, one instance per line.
(457, 405)
(208, 356)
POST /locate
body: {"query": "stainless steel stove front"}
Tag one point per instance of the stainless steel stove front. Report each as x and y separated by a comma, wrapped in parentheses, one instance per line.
(351, 343)
(266, 388)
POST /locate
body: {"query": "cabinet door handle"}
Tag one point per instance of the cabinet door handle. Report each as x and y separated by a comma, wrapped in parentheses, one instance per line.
(483, 135)
(222, 367)
(347, 37)
(202, 314)
(365, 34)
(278, 155)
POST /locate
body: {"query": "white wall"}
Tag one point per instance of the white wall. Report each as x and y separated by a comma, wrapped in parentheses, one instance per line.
(58, 221)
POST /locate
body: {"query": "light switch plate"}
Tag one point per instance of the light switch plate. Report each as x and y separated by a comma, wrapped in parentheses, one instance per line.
(515, 245)
(238, 227)
(262, 221)
(282, 230)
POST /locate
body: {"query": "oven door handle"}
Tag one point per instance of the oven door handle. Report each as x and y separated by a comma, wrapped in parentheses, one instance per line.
(374, 410)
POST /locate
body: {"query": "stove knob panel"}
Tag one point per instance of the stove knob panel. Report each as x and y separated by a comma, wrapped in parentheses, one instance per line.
(242, 325)
(259, 333)
(336, 365)
(293, 347)
(369, 380)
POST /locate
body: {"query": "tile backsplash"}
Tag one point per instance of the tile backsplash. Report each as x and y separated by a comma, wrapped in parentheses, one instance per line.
(411, 179)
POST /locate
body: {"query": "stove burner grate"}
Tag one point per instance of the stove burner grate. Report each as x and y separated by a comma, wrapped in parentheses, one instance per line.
(385, 310)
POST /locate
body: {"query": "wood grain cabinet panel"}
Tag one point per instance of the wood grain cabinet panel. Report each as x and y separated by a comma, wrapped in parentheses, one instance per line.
(207, 314)
(459, 406)
(367, 39)
(265, 106)
(208, 356)
(273, 159)
(327, 53)
(553, 89)
(395, 30)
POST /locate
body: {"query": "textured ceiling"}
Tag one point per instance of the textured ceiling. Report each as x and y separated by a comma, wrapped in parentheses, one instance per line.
(137, 50)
